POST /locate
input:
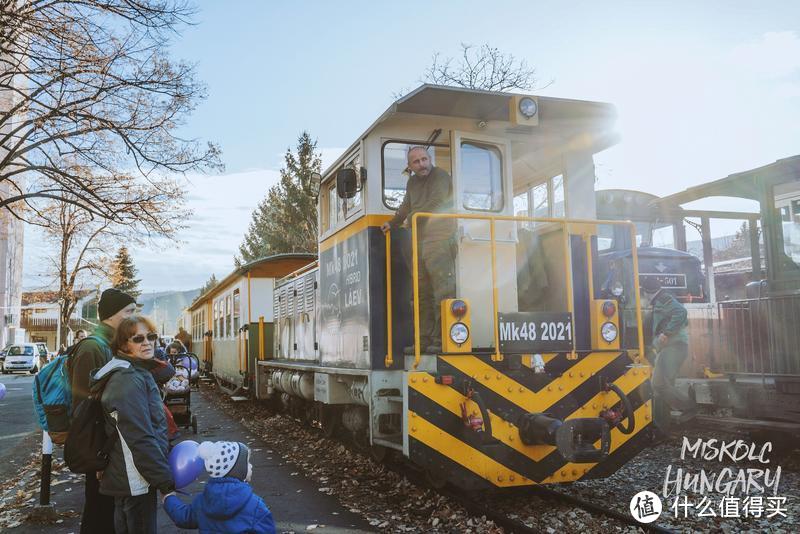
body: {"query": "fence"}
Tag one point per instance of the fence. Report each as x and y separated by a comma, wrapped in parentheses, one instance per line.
(759, 336)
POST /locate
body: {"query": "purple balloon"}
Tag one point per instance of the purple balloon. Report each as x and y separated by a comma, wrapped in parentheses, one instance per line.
(185, 463)
(2, 391)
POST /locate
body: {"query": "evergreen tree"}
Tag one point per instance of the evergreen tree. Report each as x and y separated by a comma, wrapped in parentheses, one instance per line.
(286, 220)
(210, 284)
(123, 274)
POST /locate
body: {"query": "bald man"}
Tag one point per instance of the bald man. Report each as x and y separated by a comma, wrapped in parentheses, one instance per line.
(430, 190)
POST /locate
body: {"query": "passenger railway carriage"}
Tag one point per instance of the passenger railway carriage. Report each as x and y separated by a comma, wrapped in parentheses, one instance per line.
(536, 381)
(231, 324)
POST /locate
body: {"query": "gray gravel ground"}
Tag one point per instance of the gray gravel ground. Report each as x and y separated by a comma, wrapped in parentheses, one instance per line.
(648, 471)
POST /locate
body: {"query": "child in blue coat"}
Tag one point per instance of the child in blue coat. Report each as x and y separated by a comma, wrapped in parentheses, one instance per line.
(228, 503)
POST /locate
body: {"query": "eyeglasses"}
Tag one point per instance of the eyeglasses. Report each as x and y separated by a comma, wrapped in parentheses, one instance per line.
(140, 338)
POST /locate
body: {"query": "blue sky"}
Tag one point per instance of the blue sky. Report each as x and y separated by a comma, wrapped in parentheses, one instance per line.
(703, 89)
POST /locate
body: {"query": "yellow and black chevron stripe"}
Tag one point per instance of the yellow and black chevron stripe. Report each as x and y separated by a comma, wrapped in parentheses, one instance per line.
(439, 441)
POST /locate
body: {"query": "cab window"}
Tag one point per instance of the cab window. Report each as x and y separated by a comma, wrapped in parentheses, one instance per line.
(481, 176)
(545, 200)
(395, 168)
(787, 202)
(541, 201)
(605, 237)
(351, 205)
(557, 186)
(334, 208)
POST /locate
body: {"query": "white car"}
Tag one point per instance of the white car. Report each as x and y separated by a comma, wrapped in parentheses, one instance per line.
(21, 357)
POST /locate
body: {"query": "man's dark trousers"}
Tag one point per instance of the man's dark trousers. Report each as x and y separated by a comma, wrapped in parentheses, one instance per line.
(437, 281)
(667, 367)
(98, 509)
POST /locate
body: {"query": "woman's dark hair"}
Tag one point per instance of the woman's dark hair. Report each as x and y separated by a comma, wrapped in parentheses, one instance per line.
(127, 329)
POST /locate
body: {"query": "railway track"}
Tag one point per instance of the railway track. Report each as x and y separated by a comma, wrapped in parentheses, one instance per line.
(511, 525)
(477, 508)
(477, 505)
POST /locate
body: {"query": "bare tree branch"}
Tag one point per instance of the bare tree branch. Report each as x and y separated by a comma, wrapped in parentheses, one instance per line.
(86, 84)
(83, 244)
(483, 67)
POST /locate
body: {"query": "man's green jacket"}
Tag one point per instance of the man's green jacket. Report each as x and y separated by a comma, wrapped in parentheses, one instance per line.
(669, 318)
(89, 355)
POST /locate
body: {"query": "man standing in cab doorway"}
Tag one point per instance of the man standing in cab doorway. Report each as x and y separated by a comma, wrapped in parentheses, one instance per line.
(430, 190)
(671, 345)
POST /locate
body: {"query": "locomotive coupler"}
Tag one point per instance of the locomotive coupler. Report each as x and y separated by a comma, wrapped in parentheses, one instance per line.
(574, 438)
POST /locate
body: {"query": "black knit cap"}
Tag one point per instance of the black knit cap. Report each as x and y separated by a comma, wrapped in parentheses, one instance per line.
(651, 284)
(111, 301)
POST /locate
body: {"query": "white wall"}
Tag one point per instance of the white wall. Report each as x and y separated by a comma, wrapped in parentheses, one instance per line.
(261, 299)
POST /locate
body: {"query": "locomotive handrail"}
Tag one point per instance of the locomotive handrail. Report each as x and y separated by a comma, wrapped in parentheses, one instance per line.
(389, 360)
(492, 220)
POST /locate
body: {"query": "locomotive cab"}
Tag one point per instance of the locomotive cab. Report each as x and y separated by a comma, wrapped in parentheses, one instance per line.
(531, 383)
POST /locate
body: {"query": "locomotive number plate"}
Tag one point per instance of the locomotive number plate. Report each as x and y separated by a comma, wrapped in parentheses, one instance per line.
(531, 332)
(674, 281)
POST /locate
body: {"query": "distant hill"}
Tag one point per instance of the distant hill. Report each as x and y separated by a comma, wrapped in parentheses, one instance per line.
(165, 307)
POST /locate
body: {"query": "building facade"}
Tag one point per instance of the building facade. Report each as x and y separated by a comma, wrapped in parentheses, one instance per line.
(11, 238)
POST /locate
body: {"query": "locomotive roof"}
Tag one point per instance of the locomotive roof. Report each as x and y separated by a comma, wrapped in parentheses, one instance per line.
(446, 101)
(275, 266)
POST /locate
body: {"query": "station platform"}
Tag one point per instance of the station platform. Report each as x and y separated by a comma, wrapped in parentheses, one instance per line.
(296, 503)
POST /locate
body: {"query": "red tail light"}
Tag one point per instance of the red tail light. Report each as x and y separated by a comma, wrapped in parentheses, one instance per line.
(458, 308)
(446, 380)
(609, 308)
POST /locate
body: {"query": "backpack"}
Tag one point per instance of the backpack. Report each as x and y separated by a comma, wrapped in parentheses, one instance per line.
(52, 395)
(87, 446)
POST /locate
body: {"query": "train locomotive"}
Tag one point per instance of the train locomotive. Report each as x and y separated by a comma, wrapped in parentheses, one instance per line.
(535, 381)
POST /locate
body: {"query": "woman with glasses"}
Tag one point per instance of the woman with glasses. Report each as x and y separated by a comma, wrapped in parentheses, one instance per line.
(137, 464)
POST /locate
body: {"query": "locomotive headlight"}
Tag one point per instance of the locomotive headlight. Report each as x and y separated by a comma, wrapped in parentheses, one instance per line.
(616, 288)
(609, 332)
(459, 333)
(527, 106)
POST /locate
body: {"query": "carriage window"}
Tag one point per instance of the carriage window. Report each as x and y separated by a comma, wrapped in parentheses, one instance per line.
(215, 323)
(236, 305)
(228, 313)
(395, 172)
(482, 176)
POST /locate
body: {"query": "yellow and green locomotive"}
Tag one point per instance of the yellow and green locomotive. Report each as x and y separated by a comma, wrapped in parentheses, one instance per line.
(540, 377)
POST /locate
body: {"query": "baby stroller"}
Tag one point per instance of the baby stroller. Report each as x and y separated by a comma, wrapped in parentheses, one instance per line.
(178, 391)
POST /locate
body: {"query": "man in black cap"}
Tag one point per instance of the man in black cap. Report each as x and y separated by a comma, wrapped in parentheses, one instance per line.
(92, 353)
(671, 345)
